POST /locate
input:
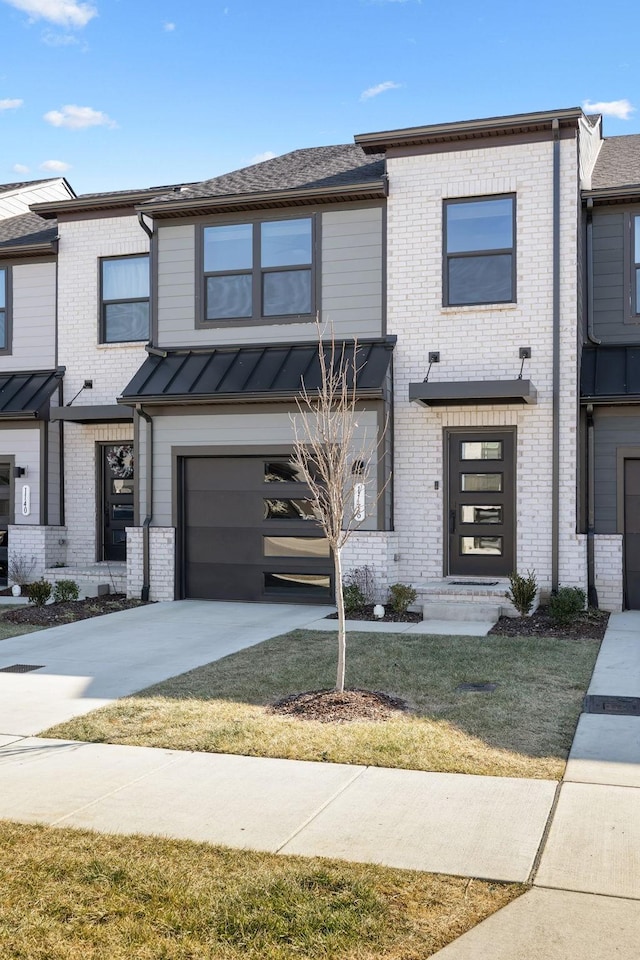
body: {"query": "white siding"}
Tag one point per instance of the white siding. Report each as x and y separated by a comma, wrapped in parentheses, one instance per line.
(33, 342)
(13, 203)
(24, 446)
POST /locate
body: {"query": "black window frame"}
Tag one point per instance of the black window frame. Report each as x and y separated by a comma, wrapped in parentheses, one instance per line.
(5, 348)
(447, 257)
(102, 303)
(632, 264)
(257, 272)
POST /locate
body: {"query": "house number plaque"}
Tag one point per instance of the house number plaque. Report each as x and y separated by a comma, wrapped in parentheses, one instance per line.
(26, 500)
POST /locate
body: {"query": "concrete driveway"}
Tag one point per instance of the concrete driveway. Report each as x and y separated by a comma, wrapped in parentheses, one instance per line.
(88, 664)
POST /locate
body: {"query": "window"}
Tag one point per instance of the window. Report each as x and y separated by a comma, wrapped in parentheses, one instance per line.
(635, 265)
(4, 310)
(258, 270)
(479, 240)
(124, 283)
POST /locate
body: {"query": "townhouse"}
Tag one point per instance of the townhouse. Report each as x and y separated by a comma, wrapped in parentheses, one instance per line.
(474, 262)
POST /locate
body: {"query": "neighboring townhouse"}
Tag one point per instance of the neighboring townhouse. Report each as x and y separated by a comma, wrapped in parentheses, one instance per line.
(30, 374)
(610, 388)
(103, 326)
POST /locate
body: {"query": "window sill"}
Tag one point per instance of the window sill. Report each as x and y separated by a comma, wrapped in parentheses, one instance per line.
(480, 308)
(258, 322)
(121, 343)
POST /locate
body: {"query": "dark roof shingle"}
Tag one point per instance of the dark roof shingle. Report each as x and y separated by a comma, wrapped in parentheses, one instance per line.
(311, 167)
(25, 230)
(618, 163)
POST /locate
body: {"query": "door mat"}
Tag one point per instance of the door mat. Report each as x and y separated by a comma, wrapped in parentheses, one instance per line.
(473, 583)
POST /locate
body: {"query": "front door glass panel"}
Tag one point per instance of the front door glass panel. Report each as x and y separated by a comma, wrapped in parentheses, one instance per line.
(117, 496)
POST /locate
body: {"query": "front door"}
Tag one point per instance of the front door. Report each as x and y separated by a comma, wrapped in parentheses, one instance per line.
(117, 499)
(481, 503)
(632, 534)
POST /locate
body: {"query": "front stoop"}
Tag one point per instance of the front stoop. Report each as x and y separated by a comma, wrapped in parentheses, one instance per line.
(92, 577)
(469, 600)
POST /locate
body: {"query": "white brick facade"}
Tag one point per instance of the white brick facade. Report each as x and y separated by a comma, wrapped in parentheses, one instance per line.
(481, 343)
(377, 550)
(162, 562)
(44, 546)
(609, 571)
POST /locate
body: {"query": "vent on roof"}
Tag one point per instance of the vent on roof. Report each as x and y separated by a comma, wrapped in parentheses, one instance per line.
(22, 667)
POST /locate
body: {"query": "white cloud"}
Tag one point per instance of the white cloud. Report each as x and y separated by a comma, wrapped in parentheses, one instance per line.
(10, 104)
(169, 27)
(621, 109)
(261, 157)
(378, 89)
(66, 13)
(20, 168)
(59, 39)
(55, 166)
(77, 118)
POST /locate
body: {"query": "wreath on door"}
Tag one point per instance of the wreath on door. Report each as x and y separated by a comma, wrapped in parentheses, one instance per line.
(120, 460)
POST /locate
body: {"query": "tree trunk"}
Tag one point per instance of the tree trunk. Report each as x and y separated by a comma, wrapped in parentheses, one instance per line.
(342, 637)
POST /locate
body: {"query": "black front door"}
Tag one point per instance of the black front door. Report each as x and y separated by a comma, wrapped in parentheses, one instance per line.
(117, 499)
(632, 534)
(249, 533)
(6, 503)
(481, 505)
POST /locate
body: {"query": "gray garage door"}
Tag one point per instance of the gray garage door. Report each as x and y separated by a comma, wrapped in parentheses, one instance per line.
(248, 533)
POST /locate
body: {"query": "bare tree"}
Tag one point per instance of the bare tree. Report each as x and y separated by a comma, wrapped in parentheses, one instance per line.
(335, 459)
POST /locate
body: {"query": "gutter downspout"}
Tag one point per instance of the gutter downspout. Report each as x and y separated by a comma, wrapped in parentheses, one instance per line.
(592, 594)
(555, 415)
(590, 335)
(144, 594)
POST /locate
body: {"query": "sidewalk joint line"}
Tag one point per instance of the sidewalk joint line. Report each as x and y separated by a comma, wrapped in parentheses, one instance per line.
(113, 792)
(322, 807)
(587, 893)
(545, 834)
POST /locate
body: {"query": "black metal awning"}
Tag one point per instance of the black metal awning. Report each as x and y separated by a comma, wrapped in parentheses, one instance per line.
(472, 392)
(253, 373)
(96, 413)
(610, 374)
(26, 396)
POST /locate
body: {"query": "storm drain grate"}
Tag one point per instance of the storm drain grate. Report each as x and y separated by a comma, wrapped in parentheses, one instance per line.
(622, 706)
(476, 687)
(22, 667)
(473, 583)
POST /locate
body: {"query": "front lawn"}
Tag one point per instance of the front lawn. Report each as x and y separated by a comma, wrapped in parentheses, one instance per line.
(74, 895)
(522, 729)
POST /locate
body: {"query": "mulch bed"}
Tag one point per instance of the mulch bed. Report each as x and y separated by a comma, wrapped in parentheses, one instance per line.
(366, 613)
(53, 614)
(329, 706)
(591, 625)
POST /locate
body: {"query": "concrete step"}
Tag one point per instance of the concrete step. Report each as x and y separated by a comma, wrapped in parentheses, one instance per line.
(454, 609)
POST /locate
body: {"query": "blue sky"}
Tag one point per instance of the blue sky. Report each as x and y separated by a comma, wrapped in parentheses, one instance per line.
(120, 94)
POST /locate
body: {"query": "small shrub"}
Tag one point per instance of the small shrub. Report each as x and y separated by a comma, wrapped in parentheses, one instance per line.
(353, 597)
(401, 596)
(66, 590)
(363, 578)
(523, 591)
(21, 569)
(566, 605)
(39, 592)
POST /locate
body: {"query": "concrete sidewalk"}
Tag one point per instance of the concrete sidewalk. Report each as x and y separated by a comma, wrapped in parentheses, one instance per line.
(578, 842)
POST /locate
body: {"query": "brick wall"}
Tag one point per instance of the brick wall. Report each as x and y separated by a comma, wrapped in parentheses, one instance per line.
(162, 554)
(609, 571)
(481, 343)
(377, 550)
(42, 545)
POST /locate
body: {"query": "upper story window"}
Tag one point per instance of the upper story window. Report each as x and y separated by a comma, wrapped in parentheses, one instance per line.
(258, 270)
(124, 308)
(4, 310)
(479, 246)
(635, 266)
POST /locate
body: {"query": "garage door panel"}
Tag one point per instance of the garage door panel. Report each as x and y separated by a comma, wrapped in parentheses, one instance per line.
(222, 581)
(224, 473)
(223, 509)
(236, 546)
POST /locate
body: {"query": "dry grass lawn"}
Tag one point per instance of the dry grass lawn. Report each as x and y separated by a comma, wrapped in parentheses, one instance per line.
(523, 729)
(73, 895)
